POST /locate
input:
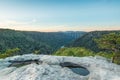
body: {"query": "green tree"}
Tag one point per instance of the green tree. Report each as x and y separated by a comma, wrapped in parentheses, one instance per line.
(111, 43)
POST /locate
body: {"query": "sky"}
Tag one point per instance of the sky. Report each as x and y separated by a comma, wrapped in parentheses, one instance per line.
(60, 15)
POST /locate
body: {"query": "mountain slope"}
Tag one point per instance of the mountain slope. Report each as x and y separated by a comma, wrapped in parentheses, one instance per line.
(87, 40)
(29, 41)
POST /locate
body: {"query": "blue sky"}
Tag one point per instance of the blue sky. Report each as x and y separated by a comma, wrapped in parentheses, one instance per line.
(60, 15)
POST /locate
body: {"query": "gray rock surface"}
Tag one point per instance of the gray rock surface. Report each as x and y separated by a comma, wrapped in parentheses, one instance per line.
(50, 69)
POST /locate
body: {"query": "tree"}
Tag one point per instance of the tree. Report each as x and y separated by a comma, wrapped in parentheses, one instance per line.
(110, 42)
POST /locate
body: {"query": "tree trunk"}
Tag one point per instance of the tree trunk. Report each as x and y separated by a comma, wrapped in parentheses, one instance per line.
(113, 59)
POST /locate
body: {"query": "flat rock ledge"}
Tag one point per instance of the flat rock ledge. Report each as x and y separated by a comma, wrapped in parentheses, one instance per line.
(46, 67)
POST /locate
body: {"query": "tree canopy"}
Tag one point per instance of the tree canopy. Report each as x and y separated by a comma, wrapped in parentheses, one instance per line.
(35, 42)
(110, 42)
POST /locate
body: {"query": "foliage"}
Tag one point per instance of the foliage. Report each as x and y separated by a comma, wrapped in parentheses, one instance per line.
(74, 51)
(88, 41)
(81, 52)
(29, 42)
(37, 52)
(9, 52)
(105, 54)
(111, 42)
(108, 45)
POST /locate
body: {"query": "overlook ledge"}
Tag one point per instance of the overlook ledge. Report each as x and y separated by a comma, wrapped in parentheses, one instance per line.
(46, 67)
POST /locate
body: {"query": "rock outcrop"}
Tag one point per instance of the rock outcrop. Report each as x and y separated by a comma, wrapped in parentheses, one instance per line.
(46, 67)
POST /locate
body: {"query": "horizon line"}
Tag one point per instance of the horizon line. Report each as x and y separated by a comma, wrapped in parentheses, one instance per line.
(61, 30)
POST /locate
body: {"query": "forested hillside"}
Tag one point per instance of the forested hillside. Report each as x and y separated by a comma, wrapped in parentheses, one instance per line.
(106, 44)
(88, 42)
(34, 42)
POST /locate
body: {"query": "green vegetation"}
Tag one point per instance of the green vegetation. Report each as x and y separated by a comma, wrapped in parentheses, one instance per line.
(35, 42)
(102, 43)
(111, 43)
(9, 52)
(74, 51)
(37, 52)
(105, 54)
(80, 52)
(88, 41)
